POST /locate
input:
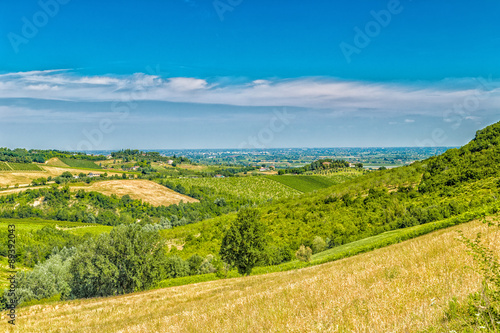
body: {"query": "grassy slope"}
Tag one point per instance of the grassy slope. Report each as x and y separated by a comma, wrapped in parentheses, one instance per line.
(304, 183)
(24, 166)
(285, 218)
(74, 163)
(76, 228)
(56, 162)
(403, 287)
(35, 224)
(346, 250)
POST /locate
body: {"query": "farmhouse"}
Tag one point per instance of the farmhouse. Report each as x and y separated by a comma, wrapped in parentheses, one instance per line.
(91, 174)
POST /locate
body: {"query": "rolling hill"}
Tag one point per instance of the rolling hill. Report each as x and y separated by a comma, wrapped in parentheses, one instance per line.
(401, 288)
(374, 203)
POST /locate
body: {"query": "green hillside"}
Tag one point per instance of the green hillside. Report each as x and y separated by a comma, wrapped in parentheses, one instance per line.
(304, 183)
(370, 204)
(77, 163)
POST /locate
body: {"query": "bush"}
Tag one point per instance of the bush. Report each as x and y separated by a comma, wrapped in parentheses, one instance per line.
(304, 253)
(126, 260)
(318, 244)
(195, 262)
(47, 280)
(176, 267)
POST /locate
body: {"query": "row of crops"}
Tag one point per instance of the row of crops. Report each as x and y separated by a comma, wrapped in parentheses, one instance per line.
(258, 189)
(4, 167)
(304, 183)
(10, 166)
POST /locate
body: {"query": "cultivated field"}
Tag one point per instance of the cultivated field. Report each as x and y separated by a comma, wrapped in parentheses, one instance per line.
(312, 182)
(304, 183)
(145, 190)
(255, 188)
(400, 288)
(11, 166)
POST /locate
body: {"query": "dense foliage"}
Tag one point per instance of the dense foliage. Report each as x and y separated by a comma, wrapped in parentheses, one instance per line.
(128, 259)
(477, 160)
(323, 164)
(40, 156)
(152, 156)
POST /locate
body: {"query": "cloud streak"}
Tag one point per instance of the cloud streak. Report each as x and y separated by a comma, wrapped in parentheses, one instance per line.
(312, 93)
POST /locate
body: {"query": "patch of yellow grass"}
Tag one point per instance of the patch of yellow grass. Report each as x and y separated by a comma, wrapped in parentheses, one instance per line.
(400, 288)
(192, 167)
(24, 178)
(54, 161)
(145, 190)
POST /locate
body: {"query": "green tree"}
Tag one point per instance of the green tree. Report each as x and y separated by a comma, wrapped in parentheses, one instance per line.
(67, 174)
(244, 241)
(318, 244)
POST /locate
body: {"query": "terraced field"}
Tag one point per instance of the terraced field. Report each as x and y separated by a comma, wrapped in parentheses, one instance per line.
(258, 189)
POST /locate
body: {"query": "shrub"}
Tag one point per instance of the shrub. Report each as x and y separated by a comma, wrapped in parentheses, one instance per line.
(304, 253)
(126, 260)
(318, 244)
(45, 281)
(176, 267)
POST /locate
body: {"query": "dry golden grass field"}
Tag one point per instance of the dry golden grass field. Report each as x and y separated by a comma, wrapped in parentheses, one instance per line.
(400, 288)
(24, 178)
(145, 190)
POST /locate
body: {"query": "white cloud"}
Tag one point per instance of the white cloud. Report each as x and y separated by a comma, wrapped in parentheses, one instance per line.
(409, 121)
(313, 93)
(186, 84)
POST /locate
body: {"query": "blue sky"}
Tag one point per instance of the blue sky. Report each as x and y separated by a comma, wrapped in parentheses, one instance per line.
(209, 74)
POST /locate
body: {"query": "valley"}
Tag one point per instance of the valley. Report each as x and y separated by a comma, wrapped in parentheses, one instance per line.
(358, 230)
